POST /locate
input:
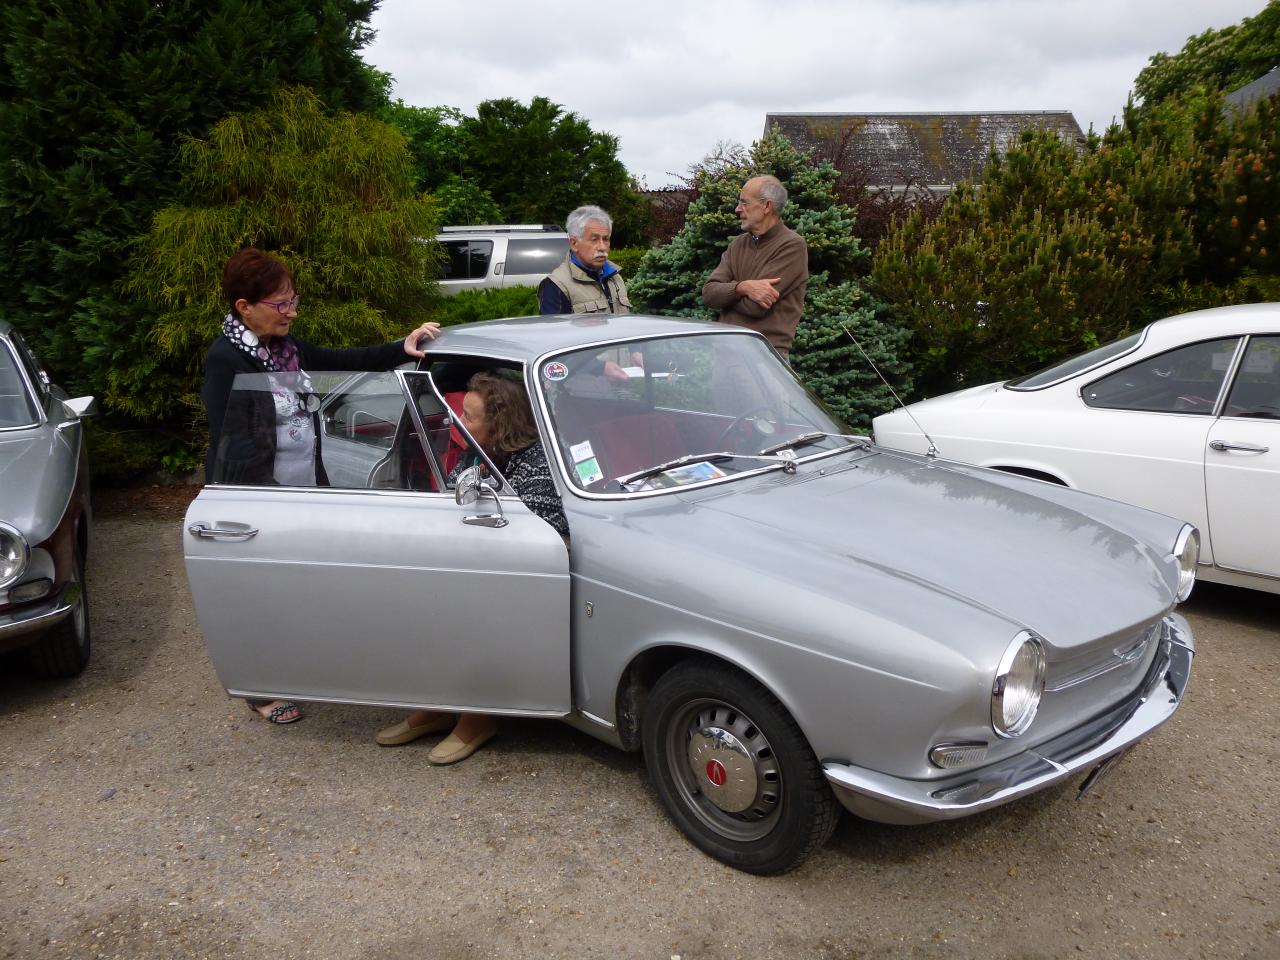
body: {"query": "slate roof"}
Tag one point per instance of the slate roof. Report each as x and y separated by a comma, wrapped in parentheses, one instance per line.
(934, 149)
(1267, 85)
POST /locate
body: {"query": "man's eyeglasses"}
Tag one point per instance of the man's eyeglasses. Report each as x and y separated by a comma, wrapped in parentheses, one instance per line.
(284, 306)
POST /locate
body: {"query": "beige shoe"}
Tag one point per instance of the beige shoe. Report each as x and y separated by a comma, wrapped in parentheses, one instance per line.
(452, 749)
(402, 732)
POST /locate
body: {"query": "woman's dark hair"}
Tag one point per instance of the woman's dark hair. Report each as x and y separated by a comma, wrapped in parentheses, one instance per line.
(506, 411)
(253, 275)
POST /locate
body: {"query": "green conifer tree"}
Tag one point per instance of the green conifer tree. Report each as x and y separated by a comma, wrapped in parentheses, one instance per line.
(671, 277)
(1052, 252)
(330, 193)
(95, 97)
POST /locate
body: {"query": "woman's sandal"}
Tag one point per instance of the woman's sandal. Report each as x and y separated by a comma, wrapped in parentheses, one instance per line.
(279, 713)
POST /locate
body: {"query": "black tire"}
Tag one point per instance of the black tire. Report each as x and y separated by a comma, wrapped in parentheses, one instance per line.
(63, 651)
(767, 805)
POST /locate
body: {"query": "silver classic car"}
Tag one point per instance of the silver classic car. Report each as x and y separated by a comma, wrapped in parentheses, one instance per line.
(783, 617)
(44, 515)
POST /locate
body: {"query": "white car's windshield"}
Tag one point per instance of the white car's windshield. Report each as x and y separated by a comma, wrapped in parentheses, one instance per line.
(661, 413)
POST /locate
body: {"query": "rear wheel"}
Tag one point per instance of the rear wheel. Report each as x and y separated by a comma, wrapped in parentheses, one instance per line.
(734, 771)
(64, 650)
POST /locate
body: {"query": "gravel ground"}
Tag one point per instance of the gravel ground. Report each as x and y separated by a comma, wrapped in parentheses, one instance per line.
(143, 814)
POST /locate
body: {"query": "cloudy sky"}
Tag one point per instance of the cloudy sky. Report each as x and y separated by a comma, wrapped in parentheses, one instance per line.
(672, 79)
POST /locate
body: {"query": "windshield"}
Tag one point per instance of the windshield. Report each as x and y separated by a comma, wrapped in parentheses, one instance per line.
(1085, 361)
(618, 414)
(16, 406)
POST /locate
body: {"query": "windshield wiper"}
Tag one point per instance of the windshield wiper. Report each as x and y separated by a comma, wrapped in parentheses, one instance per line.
(677, 462)
(805, 439)
(788, 464)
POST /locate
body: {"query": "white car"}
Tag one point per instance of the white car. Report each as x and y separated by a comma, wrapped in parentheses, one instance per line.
(1182, 417)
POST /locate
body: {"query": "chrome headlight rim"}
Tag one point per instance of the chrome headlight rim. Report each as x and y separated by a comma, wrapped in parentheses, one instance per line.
(1188, 540)
(1032, 646)
(15, 554)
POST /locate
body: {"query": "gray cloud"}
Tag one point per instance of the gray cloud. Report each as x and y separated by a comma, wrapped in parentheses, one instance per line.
(670, 79)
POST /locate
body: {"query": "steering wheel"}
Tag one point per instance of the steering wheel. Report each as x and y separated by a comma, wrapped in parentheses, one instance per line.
(763, 427)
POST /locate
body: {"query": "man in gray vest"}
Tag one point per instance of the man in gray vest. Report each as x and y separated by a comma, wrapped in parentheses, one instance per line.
(586, 282)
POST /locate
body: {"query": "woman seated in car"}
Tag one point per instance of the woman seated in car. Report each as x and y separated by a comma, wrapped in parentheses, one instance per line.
(496, 412)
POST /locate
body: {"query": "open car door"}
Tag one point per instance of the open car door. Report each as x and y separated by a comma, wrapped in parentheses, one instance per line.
(377, 589)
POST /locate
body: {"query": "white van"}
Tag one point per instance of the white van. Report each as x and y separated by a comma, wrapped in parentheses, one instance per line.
(487, 257)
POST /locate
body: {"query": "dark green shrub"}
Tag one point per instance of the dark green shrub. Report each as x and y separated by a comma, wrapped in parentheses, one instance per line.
(473, 305)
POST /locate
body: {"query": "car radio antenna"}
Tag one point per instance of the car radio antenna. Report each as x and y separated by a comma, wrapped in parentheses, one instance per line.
(932, 452)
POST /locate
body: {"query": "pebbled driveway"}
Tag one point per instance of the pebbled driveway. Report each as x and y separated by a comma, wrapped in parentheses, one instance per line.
(143, 814)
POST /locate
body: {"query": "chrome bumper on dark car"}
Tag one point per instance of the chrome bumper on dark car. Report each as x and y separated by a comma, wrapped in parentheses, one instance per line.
(33, 618)
(889, 799)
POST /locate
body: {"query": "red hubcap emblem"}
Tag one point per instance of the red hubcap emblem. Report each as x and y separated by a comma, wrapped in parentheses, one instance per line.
(716, 772)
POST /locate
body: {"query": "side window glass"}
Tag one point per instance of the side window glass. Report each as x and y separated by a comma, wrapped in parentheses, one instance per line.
(447, 450)
(315, 429)
(1186, 380)
(1256, 391)
(529, 257)
(480, 253)
(456, 267)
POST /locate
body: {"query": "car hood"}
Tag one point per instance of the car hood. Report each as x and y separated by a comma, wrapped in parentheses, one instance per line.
(37, 467)
(1037, 563)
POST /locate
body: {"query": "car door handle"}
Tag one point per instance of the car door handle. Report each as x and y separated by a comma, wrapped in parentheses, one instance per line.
(236, 533)
(486, 520)
(1245, 447)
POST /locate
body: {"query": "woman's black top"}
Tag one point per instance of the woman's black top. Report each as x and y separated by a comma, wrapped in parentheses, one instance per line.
(242, 427)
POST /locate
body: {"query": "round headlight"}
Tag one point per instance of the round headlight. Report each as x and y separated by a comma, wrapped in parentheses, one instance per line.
(13, 554)
(1186, 553)
(1015, 694)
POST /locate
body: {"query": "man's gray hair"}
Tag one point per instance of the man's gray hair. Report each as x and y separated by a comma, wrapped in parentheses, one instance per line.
(771, 189)
(579, 219)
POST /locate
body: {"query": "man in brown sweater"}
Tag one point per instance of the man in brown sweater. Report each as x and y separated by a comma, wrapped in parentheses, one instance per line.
(762, 277)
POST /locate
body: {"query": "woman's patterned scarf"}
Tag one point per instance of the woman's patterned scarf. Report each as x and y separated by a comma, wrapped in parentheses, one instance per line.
(279, 357)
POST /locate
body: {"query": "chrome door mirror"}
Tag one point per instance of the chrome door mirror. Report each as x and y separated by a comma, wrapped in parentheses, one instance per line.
(82, 406)
(470, 488)
(467, 490)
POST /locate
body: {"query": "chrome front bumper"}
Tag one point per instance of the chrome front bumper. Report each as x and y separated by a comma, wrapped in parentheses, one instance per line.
(34, 618)
(889, 799)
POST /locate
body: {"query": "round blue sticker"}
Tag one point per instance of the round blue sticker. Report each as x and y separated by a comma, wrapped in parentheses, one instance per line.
(555, 370)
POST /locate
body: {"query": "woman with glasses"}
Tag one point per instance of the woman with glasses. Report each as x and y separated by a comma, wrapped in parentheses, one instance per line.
(269, 437)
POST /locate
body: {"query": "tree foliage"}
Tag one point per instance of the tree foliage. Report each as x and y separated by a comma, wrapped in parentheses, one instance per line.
(1225, 59)
(330, 193)
(671, 277)
(1052, 252)
(518, 163)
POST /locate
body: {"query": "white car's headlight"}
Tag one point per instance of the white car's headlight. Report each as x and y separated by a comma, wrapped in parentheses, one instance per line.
(14, 554)
(1019, 682)
(1186, 551)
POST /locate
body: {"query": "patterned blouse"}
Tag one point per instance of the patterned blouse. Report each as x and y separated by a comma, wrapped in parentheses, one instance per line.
(529, 474)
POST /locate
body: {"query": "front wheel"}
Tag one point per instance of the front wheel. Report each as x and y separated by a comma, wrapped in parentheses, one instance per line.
(734, 771)
(64, 650)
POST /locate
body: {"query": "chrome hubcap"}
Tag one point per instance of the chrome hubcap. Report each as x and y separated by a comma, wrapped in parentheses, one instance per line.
(725, 770)
(722, 768)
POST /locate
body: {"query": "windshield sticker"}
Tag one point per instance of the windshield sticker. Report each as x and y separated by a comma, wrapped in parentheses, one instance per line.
(555, 370)
(679, 476)
(588, 471)
(585, 463)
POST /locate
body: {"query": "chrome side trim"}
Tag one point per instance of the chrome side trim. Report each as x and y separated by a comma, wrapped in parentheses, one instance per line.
(877, 796)
(596, 720)
(398, 704)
